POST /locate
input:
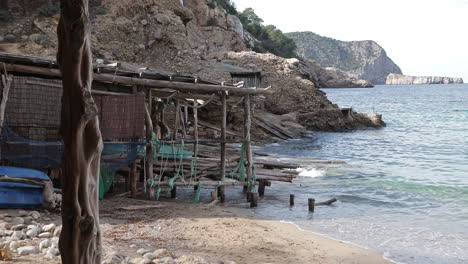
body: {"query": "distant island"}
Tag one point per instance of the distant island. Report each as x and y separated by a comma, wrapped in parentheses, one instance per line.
(405, 79)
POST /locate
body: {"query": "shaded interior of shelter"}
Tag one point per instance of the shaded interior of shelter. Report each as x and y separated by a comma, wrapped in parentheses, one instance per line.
(191, 137)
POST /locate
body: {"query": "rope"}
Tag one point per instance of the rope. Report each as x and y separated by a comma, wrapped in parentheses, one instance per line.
(204, 103)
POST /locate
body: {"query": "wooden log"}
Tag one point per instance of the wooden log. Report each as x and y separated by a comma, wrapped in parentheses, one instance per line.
(261, 188)
(328, 202)
(179, 86)
(223, 136)
(311, 204)
(254, 200)
(291, 200)
(48, 195)
(249, 196)
(247, 127)
(80, 239)
(177, 120)
(7, 80)
(149, 160)
(133, 180)
(205, 183)
(214, 196)
(222, 193)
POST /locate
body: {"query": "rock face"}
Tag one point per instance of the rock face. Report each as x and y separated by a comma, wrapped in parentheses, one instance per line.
(363, 59)
(404, 79)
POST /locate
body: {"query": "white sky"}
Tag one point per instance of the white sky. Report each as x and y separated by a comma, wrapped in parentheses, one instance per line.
(423, 37)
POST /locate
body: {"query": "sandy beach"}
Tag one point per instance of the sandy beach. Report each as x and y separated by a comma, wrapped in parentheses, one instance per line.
(204, 233)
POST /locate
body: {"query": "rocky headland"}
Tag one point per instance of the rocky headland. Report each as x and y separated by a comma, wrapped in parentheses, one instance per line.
(405, 79)
(365, 60)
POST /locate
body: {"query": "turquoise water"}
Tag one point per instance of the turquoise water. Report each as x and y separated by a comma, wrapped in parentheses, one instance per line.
(404, 188)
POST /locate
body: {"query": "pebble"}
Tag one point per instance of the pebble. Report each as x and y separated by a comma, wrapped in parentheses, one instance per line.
(162, 252)
(35, 215)
(19, 235)
(168, 260)
(57, 231)
(2, 233)
(46, 243)
(55, 242)
(142, 251)
(33, 232)
(140, 261)
(144, 22)
(8, 219)
(149, 256)
(14, 245)
(132, 246)
(18, 221)
(8, 232)
(52, 252)
(28, 250)
(49, 228)
(18, 227)
(22, 213)
(45, 235)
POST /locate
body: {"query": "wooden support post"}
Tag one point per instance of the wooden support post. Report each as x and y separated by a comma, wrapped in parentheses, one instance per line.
(214, 195)
(249, 196)
(183, 123)
(174, 192)
(222, 193)
(254, 199)
(80, 239)
(247, 127)
(291, 200)
(223, 145)
(149, 160)
(6, 82)
(133, 180)
(177, 119)
(261, 188)
(311, 204)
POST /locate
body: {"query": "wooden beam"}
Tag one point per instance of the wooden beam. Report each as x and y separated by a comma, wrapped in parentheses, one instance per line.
(247, 128)
(149, 161)
(131, 81)
(223, 144)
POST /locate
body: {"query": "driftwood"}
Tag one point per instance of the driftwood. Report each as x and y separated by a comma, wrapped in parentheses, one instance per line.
(80, 240)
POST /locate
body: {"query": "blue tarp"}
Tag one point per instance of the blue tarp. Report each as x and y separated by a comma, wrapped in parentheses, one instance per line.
(19, 195)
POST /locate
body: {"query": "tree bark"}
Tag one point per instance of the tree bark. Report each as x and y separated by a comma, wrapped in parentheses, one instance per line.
(80, 240)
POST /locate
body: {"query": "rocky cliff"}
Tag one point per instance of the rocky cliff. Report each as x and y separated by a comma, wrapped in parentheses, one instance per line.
(190, 37)
(363, 59)
(404, 79)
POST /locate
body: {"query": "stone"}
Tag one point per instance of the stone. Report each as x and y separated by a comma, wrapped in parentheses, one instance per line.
(132, 246)
(8, 232)
(49, 228)
(158, 34)
(46, 243)
(149, 256)
(140, 261)
(18, 221)
(28, 250)
(293, 61)
(19, 235)
(8, 218)
(52, 253)
(161, 253)
(144, 22)
(2, 233)
(163, 19)
(18, 227)
(45, 235)
(27, 220)
(24, 37)
(10, 38)
(141, 46)
(169, 260)
(33, 232)
(55, 242)
(143, 251)
(22, 213)
(57, 231)
(2, 39)
(35, 215)
(15, 245)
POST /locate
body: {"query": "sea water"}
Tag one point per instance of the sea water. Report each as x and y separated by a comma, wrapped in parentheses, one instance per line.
(403, 189)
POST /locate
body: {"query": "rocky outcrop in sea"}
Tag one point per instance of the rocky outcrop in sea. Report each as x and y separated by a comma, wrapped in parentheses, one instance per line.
(404, 79)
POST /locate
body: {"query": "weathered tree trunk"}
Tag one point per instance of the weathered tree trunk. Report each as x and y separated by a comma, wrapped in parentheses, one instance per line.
(80, 240)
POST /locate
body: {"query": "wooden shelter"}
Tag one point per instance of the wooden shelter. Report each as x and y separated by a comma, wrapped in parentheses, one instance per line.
(133, 103)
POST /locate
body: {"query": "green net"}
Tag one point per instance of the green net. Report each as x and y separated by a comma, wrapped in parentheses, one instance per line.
(106, 178)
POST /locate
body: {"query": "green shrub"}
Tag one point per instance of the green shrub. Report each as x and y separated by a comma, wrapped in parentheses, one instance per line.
(49, 9)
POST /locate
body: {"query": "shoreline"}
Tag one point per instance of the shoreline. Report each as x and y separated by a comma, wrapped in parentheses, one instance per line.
(207, 233)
